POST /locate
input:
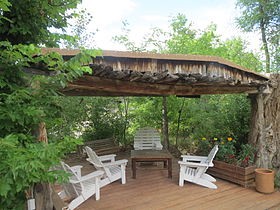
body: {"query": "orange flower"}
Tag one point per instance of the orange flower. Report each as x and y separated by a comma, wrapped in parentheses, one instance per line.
(229, 139)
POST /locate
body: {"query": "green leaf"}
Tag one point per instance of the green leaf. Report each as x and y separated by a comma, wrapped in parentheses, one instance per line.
(4, 5)
(4, 187)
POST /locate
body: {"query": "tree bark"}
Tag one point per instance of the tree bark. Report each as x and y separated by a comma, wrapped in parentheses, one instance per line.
(42, 133)
(264, 40)
(43, 196)
(43, 191)
(179, 121)
(265, 125)
(165, 123)
(126, 105)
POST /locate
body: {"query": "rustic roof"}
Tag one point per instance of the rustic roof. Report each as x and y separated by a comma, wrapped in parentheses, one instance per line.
(118, 73)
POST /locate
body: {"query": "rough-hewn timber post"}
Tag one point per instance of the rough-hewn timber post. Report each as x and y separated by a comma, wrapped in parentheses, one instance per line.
(265, 125)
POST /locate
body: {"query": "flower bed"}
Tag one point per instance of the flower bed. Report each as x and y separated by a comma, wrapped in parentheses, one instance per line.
(234, 164)
(244, 176)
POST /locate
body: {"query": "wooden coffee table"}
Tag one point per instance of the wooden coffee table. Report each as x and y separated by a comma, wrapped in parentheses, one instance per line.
(151, 156)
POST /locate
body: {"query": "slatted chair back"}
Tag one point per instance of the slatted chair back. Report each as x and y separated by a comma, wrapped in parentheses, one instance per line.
(72, 189)
(212, 154)
(94, 158)
(113, 169)
(147, 138)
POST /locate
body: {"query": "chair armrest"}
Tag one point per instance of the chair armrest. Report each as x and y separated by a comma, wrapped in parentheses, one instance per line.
(158, 146)
(193, 158)
(110, 157)
(91, 175)
(118, 162)
(89, 160)
(190, 164)
(77, 169)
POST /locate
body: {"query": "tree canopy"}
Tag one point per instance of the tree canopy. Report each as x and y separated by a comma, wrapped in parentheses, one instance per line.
(27, 100)
(34, 22)
(263, 16)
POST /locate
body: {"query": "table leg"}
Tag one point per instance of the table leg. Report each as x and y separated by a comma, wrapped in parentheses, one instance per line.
(165, 163)
(133, 165)
(170, 168)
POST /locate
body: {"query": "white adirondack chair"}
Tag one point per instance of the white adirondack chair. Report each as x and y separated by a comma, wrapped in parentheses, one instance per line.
(113, 169)
(193, 169)
(80, 188)
(147, 138)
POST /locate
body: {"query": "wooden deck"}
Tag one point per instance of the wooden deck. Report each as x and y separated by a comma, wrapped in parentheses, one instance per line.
(152, 190)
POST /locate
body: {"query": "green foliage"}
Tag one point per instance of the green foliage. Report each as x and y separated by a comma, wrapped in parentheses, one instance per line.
(79, 31)
(25, 101)
(26, 22)
(27, 96)
(203, 147)
(263, 16)
(182, 38)
(246, 155)
(24, 166)
(252, 15)
(4, 7)
(277, 180)
(103, 116)
(228, 151)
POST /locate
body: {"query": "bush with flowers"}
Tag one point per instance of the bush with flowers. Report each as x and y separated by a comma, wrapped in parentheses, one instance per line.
(228, 152)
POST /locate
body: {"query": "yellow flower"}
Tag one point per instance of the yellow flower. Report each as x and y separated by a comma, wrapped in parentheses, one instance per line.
(222, 142)
(229, 139)
(203, 138)
(215, 139)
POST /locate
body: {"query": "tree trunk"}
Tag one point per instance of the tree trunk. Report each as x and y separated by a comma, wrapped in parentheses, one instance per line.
(126, 105)
(265, 125)
(264, 40)
(42, 133)
(165, 123)
(43, 196)
(43, 191)
(179, 121)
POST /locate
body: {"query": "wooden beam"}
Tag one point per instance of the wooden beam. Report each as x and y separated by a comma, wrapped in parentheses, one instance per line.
(101, 86)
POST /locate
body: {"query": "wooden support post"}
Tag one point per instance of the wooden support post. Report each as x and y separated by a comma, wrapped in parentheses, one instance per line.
(265, 124)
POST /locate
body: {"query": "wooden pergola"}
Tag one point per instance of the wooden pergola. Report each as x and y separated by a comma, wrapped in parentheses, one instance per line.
(117, 73)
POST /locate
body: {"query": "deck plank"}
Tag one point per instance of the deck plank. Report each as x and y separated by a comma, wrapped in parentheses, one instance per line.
(152, 190)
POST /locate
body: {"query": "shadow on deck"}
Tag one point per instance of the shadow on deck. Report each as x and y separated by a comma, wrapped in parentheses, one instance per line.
(152, 190)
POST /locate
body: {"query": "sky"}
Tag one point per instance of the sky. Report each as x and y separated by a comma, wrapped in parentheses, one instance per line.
(142, 15)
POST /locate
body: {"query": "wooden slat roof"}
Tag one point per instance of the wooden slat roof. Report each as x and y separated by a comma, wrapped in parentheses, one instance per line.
(119, 73)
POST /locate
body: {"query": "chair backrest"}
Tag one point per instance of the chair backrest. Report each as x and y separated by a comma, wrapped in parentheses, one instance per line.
(71, 189)
(147, 138)
(94, 158)
(212, 154)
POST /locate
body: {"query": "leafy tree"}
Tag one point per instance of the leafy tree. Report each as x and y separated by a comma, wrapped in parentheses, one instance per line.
(78, 29)
(210, 116)
(183, 39)
(32, 22)
(153, 41)
(262, 16)
(27, 99)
